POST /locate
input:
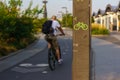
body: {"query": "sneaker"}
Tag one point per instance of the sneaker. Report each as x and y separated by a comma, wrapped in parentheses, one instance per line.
(60, 61)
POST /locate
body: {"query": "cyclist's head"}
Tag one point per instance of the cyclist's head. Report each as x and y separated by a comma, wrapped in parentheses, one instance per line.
(54, 17)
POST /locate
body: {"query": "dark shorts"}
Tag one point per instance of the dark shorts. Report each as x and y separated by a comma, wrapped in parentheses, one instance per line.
(52, 40)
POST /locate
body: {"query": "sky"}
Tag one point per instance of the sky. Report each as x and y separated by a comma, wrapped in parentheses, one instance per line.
(54, 7)
(101, 4)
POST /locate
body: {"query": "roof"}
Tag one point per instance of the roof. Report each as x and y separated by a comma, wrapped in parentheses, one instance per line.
(109, 8)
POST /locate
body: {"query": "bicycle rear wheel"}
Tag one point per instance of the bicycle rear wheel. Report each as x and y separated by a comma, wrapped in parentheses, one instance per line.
(51, 59)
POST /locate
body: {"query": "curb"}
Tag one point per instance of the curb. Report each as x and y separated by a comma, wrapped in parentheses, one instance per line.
(99, 35)
(23, 55)
(15, 58)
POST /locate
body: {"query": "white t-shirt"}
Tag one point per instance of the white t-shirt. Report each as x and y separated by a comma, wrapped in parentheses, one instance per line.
(55, 25)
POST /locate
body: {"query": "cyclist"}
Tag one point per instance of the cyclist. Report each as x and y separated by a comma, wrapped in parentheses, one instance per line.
(52, 38)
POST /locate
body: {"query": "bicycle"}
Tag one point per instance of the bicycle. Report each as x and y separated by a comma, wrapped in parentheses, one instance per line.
(52, 57)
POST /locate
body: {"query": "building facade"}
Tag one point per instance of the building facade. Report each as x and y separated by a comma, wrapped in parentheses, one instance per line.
(110, 17)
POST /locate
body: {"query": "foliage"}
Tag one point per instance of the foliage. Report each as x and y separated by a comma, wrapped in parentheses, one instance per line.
(97, 29)
(92, 19)
(67, 21)
(37, 23)
(17, 28)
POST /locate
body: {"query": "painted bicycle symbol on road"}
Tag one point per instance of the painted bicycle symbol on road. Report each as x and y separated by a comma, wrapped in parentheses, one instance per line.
(80, 25)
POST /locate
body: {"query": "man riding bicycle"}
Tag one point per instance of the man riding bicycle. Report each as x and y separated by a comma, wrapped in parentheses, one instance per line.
(52, 38)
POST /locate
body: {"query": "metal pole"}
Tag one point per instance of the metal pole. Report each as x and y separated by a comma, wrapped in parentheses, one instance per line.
(65, 15)
(45, 9)
(61, 14)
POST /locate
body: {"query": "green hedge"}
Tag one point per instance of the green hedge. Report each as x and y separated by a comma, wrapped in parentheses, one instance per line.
(97, 29)
(17, 28)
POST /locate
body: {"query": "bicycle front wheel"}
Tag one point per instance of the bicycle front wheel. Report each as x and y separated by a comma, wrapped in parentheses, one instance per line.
(51, 59)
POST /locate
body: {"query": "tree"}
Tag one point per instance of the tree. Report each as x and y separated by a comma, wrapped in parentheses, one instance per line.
(67, 20)
(18, 27)
(92, 19)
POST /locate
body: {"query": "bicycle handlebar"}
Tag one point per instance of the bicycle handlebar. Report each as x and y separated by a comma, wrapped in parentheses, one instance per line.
(60, 35)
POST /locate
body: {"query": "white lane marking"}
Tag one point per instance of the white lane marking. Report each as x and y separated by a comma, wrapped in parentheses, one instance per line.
(31, 65)
(44, 72)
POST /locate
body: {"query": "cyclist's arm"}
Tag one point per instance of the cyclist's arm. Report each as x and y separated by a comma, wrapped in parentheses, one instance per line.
(61, 30)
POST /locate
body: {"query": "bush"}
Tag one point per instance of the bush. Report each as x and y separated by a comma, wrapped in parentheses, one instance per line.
(37, 23)
(97, 29)
(5, 50)
(17, 28)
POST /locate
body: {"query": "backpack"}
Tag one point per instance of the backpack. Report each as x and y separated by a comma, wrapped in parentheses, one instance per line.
(47, 27)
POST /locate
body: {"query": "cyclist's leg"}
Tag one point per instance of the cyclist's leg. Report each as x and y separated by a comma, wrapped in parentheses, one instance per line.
(56, 46)
(48, 41)
(60, 51)
(49, 45)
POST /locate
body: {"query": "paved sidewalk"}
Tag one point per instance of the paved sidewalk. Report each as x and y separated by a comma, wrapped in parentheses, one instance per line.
(23, 54)
(116, 35)
(106, 52)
